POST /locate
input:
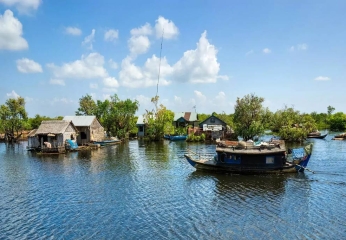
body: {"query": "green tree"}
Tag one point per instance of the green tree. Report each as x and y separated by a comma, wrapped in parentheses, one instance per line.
(330, 110)
(13, 118)
(248, 116)
(290, 125)
(87, 106)
(158, 121)
(337, 122)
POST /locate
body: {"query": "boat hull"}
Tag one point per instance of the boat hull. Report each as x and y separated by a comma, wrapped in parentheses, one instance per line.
(318, 137)
(178, 138)
(262, 162)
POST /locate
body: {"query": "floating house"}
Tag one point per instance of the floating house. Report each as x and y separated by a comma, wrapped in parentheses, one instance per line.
(53, 134)
(214, 128)
(141, 126)
(89, 128)
(185, 119)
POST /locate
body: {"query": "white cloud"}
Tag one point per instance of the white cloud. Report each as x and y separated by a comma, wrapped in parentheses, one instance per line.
(143, 100)
(11, 33)
(88, 40)
(93, 85)
(322, 78)
(61, 100)
(302, 46)
(299, 47)
(267, 51)
(145, 30)
(90, 66)
(249, 53)
(112, 64)
(57, 82)
(29, 99)
(25, 65)
(23, 6)
(138, 44)
(200, 97)
(73, 31)
(12, 94)
(111, 35)
(135, 77)
(167, 27)
(199, 65)
(110, 82)
(178, 100)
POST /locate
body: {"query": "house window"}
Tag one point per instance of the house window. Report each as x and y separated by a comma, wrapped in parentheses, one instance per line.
(140, 129)
(212, 120)
(72, 137)
(270, 160)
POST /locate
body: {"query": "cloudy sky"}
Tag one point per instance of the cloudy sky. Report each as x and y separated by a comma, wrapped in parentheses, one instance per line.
(290, 52)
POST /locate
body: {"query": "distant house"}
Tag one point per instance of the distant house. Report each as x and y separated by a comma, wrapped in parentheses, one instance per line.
(213, 127)
(52, 135)
(141, 126)
(184, 119)
(89, 128)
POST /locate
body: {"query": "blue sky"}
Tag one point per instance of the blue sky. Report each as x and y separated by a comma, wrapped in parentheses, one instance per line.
(289, 52)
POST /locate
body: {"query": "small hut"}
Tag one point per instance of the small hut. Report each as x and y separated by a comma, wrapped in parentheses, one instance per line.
(52, 135)
(89, 128)
(140, 125)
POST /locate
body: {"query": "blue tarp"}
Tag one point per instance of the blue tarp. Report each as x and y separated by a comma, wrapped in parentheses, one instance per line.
(298, 153)
(73, 145)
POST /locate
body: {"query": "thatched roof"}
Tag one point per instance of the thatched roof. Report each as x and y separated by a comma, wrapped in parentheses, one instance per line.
(54, 127)
(32, 133)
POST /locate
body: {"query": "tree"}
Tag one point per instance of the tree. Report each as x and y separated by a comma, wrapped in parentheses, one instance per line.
(290, 125)
(330, 110)
(158, 121)
(87, 106)
(13, 118)
(337, 122)
(249, 116)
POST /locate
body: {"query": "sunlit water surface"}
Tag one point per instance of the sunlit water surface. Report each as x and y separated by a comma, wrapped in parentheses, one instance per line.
(142, 190)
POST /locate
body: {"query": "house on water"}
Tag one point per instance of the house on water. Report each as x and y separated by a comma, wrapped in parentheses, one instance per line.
(141, 126)
(89, 128)
(186, 119)
(53, 134)
(33, 141)
(214, 128)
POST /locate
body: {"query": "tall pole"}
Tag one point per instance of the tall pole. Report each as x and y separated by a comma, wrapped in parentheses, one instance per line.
(158, 76)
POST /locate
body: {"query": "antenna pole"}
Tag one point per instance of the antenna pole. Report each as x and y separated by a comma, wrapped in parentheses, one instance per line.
(158, 76)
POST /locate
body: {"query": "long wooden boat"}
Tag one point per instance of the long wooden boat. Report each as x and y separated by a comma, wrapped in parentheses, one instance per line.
(266, 158)
(111, 141)
(177, 137)
(317, 136)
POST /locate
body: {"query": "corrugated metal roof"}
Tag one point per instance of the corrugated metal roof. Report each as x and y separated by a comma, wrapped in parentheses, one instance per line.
(80, 121)
(189, 116)
(53, 126)
(140, 120)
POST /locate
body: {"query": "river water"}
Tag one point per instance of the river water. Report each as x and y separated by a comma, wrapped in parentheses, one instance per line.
(139, 190)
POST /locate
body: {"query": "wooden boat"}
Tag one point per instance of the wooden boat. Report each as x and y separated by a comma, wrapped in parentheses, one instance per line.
(317, 136)
(270, 157)
(341, 136)
(177, 137)
(110, 141)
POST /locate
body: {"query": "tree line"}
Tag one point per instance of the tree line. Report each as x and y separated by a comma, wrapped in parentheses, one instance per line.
(250, 118)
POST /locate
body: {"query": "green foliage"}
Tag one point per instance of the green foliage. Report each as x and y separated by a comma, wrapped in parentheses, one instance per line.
(158, 121)
(194, 138)
(87, 106)
(290, 125)
(330, 110)
(34, 123)
(13, 118)
(321, 120)
(337, 121)
(248, 116)
(115, 115)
